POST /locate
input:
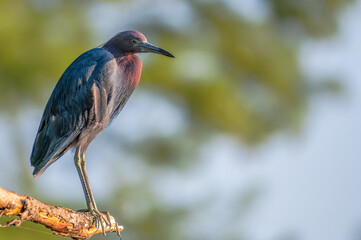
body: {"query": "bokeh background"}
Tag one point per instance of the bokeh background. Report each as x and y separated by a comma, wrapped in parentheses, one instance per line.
(251, 133)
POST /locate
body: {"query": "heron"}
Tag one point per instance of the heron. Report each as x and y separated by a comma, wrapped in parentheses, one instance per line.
(88, 96)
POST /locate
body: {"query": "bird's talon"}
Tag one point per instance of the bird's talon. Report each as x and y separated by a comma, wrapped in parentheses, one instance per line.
(108, 217)
(100, 220)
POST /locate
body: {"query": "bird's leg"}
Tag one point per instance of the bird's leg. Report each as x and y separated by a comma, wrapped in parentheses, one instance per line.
(79, 161)
(93, 206)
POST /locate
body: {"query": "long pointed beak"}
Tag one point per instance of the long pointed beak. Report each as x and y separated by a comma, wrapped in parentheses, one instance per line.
(147, 47)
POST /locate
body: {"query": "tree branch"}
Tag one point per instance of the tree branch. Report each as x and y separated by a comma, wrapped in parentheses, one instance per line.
(64, 221)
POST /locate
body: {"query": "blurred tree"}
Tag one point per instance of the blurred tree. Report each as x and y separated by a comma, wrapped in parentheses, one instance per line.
(38, 41)
(312, 18)
(238, 76)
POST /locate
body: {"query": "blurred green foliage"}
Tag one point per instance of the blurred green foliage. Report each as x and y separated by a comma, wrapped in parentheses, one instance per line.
(314, 18)
(39, 39)
(254, 86)
(231, 76)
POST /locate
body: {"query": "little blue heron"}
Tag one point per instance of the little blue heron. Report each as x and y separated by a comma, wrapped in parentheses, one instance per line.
(88, 96)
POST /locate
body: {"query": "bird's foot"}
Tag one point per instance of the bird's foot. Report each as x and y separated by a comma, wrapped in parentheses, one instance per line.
(101, 219)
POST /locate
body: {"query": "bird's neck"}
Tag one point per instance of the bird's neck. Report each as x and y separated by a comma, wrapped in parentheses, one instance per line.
(114, 50)
(131, 66)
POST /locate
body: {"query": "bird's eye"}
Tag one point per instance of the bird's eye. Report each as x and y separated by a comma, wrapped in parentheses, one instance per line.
(134, 41)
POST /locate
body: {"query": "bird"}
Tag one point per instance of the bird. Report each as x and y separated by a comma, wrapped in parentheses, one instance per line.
(88, 96)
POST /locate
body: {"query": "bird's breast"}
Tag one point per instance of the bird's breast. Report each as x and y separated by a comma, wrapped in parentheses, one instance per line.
(122, 83)
(130, 68)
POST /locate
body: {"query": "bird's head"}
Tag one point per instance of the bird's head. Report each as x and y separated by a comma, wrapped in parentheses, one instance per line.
(131, 42)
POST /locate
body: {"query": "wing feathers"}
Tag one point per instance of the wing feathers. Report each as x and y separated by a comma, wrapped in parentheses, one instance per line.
(77, 101)
(100, 102)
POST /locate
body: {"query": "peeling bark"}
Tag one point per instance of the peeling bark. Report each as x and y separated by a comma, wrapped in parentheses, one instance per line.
(64, 221)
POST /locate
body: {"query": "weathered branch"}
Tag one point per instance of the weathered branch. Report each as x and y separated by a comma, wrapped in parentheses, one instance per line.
(64, 221)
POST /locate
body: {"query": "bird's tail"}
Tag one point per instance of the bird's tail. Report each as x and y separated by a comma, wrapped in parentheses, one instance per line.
(46, 153)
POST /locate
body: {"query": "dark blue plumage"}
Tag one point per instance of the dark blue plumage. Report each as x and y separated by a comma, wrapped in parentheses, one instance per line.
(88, 96)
